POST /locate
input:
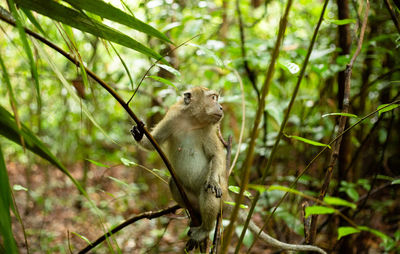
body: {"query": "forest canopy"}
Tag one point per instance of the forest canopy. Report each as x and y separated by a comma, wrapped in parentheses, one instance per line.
(310, 92)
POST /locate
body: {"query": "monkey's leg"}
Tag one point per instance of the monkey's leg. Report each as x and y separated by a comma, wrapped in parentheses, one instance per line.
(209, 208)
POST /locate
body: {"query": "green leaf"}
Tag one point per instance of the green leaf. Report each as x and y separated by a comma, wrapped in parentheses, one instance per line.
(82, 237)
(236, 189)
(383, 177)
(308, 141)
(233, 204)
(397, 181)
(340, 22)
(71, 90)
(18, 187)
(27, 49)
(310, 210)
(118, 181)
(124, 65)
(378, 233)
(352, 193)
(9, 129)
(33, 20)
(257, 187)
(340, 114)
(170, 69)
(338, 201)
(82, 22)
(162, 80)
(385, 108)
(343, 231)
(209, 53)
(109, 12)
(97, 163)
(5, 205)
(127, 162)
(285, 189)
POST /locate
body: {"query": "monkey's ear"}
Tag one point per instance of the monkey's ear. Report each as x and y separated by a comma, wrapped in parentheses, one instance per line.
(187, 97)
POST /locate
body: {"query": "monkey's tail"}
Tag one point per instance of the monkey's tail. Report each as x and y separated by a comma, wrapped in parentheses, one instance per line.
(276, 243)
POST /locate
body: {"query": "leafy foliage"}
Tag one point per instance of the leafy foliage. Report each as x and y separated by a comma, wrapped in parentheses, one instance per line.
(62, 115)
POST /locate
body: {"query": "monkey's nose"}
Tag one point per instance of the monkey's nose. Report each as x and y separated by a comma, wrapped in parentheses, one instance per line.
(220, 107)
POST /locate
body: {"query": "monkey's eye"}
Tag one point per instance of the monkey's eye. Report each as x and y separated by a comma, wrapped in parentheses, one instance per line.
(214, 97)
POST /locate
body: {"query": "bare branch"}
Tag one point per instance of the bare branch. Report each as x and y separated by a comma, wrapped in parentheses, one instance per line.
(147, 215)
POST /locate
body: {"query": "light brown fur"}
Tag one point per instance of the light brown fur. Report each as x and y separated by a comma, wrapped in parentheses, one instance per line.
(189, 132)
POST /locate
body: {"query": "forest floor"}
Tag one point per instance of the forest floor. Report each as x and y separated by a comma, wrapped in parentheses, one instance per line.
(57, 219)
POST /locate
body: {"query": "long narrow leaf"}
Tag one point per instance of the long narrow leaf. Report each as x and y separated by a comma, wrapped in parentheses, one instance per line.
(343, 231)
(70, 89)
(27, 49)
(9, 129)
(5, 205)
(82, 22)
(384, 108)
(308, 141)
(108, 11)
(33, 20)
(13, 102)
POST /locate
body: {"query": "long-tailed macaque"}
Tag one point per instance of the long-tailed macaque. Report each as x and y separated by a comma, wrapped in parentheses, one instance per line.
(189, 130)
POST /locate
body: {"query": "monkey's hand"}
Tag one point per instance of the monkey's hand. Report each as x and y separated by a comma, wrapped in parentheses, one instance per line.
(213, 187)
(137, 131)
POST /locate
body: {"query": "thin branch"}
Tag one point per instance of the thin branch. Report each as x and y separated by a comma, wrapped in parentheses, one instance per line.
(250, 73)
(5, 16)
(243, 121)
(147, 215)
(250, 152)
(217, 232)
(283, 124)
(382, 76)
(154, 64)
(392, 15)
(342, 123)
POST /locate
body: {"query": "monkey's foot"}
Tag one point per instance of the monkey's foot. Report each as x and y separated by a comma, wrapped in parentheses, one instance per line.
(213, 187)
(197, 236)
(137, 132)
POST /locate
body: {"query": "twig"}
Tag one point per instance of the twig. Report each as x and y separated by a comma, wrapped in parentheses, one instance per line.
(154, 64)
(249, 72)
(393, 15)
(217, 232)
(306, 221)
(250, 152)
(342, 123)
(384, 75)
(217, 235)
(147, 215)
(243, 121)
(283, 124)
(5, 16)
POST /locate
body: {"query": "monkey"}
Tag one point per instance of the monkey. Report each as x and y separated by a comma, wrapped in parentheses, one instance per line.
(189, 131)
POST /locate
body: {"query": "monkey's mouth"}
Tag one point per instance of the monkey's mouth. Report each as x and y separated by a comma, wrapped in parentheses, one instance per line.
(217, 116)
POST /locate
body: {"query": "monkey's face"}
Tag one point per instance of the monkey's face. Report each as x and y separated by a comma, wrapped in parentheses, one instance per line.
(213, 108)
(203, 105)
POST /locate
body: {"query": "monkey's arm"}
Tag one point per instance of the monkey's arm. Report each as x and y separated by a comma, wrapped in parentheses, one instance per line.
(161, 132)
(216, 179)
